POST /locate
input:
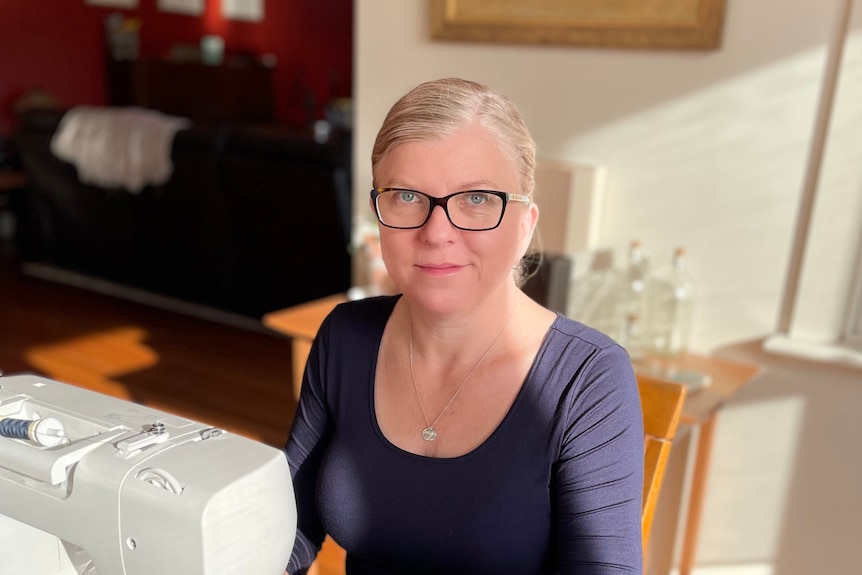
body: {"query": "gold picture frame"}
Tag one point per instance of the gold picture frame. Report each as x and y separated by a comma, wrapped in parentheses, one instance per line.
(643, 24)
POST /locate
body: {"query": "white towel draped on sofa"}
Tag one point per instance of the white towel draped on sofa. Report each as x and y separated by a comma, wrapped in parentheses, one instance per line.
(118, 147)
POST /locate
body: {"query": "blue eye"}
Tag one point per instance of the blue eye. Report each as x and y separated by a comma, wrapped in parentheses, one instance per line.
(477, 199)
(407, 196)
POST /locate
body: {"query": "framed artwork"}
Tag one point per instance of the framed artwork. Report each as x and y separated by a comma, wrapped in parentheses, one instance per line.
(643, 24)
(249, 10)
(190, 7)
(114, 3)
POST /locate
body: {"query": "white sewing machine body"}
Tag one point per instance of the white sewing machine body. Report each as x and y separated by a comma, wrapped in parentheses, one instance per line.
(132, 491)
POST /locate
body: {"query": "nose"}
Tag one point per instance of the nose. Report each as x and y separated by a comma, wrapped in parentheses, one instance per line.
(438, 227)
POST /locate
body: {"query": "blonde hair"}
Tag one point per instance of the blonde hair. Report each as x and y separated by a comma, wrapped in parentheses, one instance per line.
(436, 109)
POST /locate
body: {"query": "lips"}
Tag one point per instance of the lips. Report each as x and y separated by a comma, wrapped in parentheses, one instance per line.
(444, 268)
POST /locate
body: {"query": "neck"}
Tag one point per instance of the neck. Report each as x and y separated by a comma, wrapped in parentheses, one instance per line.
(450, 347)
(459, 334)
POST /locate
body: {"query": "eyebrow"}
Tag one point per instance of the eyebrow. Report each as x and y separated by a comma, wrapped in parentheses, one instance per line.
(479, 184)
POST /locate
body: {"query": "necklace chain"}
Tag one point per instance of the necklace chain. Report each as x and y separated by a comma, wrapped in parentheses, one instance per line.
(430, 432)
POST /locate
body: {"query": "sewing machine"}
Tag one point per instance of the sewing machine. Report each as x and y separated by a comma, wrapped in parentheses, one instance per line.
(94, 485)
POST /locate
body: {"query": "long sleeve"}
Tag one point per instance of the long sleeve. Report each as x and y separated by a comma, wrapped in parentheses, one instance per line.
(597, 482)
(306, 445)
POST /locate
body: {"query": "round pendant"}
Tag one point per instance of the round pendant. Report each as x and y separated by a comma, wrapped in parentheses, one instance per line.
(429, 434)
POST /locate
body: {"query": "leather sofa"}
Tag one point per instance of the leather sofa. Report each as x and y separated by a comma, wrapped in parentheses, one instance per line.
(253, 218)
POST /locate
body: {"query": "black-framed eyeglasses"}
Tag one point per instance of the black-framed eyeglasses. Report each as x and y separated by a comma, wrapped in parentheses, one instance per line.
(471, 210)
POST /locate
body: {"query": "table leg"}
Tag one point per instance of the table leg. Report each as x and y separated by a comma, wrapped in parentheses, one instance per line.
(698, 490)
(300, 348)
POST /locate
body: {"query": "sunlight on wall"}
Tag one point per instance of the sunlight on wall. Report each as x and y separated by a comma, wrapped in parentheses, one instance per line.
(837, 223)
(751, 474)
(747, 569)
(721, 168)
(811, 525)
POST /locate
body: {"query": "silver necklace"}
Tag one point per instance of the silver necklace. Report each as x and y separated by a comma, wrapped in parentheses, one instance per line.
(430, 432)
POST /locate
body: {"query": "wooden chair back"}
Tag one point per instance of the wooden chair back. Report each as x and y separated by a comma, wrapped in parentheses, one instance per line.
(661, 402)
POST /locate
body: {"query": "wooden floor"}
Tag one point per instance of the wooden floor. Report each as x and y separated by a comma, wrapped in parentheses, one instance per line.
(234, 378)
(225, 376)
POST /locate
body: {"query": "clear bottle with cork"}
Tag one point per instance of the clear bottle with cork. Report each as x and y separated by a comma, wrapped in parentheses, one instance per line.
(669, 307)
(631, 305)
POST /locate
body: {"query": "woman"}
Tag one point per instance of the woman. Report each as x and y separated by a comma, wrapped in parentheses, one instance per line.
(460, 427)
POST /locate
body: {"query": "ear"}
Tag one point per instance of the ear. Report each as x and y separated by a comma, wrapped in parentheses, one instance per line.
(528, 226)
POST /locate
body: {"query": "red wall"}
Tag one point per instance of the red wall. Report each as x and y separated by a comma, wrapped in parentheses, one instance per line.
(58, 45)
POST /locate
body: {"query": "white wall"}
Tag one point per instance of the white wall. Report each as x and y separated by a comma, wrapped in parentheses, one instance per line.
(708, 150)
(713, 144)
(786, 471)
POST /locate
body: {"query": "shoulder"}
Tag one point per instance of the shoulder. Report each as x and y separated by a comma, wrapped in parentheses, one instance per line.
(369, 314)
(568, 335)
(365, 308)
(579, 362)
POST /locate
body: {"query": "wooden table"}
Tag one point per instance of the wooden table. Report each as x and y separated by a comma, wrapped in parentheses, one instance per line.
(700, 410)
(301, 323)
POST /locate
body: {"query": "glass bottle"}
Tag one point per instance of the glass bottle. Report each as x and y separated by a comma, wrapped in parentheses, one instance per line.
(670, 300)
(630, 301)
(592, 296)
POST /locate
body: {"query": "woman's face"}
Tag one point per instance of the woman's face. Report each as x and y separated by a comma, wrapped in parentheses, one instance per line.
(438, 266)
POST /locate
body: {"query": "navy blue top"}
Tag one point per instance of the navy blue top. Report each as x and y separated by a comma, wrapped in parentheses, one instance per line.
(556, 488)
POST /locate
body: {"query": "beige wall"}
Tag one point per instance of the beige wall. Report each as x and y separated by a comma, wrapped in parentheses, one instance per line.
(708, 150)
(713, 144)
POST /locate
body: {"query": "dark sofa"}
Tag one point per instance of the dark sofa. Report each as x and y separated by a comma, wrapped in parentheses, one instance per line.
(253, 219)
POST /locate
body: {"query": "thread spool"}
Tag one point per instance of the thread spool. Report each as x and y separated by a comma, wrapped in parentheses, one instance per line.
(47, 431)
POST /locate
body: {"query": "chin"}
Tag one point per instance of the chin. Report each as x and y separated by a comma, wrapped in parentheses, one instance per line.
(438, 301)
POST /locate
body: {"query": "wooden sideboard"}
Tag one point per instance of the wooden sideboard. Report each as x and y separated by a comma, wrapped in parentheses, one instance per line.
(200, 92)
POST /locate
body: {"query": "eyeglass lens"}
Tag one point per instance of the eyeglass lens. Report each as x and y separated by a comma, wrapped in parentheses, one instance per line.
(471, 210)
